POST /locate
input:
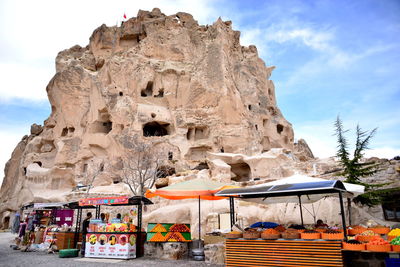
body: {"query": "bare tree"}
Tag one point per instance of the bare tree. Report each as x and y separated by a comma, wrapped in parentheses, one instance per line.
(89, 181)
(140, 167)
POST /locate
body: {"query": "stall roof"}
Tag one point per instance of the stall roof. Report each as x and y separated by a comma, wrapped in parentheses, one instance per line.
(282, 191)
(135, 200)
(44, 205)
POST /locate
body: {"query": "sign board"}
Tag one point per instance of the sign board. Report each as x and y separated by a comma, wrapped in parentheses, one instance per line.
(110, 245)
(104, 201)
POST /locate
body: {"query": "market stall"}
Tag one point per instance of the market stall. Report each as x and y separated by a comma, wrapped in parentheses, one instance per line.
(305, 247)
(121, 239)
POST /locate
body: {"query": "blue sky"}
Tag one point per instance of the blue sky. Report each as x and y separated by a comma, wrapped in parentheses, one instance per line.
(331, 57)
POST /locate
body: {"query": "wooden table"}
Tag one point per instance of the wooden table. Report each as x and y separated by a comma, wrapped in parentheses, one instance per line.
(283, 252)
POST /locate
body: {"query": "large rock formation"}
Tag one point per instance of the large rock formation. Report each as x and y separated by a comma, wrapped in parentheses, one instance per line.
(190, 90)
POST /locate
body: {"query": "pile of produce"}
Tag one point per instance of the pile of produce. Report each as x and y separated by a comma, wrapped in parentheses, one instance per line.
(396, 241)
(280, 228)
(297, 227)
(271, 231)
(395, 232)
(377, 240)
(311, 232)
(182, 228)
(159, 228)
(366, 236)
(158, 237)
(251, 233)
(368, 233)
(235, 232)
(353, 241)
(331, 231)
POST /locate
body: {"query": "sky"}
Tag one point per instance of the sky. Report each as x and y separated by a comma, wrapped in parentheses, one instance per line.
(332, 58)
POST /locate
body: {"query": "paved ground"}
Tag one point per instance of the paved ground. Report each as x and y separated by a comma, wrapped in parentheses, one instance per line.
(16, 258)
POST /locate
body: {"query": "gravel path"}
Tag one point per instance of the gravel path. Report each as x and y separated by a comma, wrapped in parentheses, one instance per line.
(16, 258)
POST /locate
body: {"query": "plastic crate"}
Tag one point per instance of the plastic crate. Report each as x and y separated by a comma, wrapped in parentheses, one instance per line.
(68, 253)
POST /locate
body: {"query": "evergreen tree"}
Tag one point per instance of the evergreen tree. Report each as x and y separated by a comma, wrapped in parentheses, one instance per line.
(354, 169)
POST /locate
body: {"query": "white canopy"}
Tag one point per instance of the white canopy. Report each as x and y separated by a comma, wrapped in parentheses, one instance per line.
(353, 189)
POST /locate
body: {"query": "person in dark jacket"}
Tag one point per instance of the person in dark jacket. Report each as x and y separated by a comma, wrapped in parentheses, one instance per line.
(85, 226)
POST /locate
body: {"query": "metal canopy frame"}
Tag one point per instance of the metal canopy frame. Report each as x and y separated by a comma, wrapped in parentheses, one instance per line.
(132, 201)
(311, 188)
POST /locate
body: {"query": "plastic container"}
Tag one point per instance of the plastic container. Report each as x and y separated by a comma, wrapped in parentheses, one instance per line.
(379, 248)
(396, 248)
(380, 230)
(310, 235)
(328, 236)
(270, 236)
(350, 246)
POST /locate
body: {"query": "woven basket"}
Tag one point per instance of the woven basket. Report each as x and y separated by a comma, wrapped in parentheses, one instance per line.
(396, 248)
(310, 235)
(270, 236)
(251, 235)
(233, 236)
(353, 246)
(379, 248)
(380, 230)
(290, 235)
(365, 238)
(328, 236)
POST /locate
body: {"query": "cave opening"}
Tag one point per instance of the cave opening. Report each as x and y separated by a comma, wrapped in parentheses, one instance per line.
(156, 129)
(160, 93)
(240, 172)
(279, 128)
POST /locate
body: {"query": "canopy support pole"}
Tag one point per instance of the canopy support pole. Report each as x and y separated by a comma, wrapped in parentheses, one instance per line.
(349, 209)
(301, 211)
(77, 226)
(199, 223)
(232, 211)
(139, 231)
(342, 212)
(98, 212)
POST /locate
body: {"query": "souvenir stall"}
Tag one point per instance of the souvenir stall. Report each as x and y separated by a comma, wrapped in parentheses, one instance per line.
(118, 239)
(288, 247)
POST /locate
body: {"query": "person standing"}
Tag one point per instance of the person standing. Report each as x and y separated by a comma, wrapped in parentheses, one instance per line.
(85, 226)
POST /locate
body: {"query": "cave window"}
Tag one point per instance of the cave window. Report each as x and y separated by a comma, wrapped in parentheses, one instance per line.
(6, 222)
(165, 171)
(155, 129)
(279, 128)
(256, 126)
(249, 107)
(170, 155)
(200, 133)
(265, 122)
(71, 129)
(64, 131)
(24, 170)
(190, 134)
(148, 91)
(269, 91)
(222, 150)
(240, 172)
(121, 93)
(84, 169)
(101, 169)
(116, 180)
(198, 153)
(160, 93)
(153, 115)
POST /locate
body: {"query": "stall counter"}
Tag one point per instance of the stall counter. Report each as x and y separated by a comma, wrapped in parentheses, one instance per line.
(116, 245)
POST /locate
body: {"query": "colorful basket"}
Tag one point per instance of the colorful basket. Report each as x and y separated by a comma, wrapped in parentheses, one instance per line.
(291, 235)
(310, 235)
(350, 246)
(356, 231)
(233, 236)
(379, 248)
(380, 230)
(330, 236)
(251, 235)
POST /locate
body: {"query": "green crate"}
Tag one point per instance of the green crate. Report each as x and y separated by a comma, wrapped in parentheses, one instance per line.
(68, 253)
